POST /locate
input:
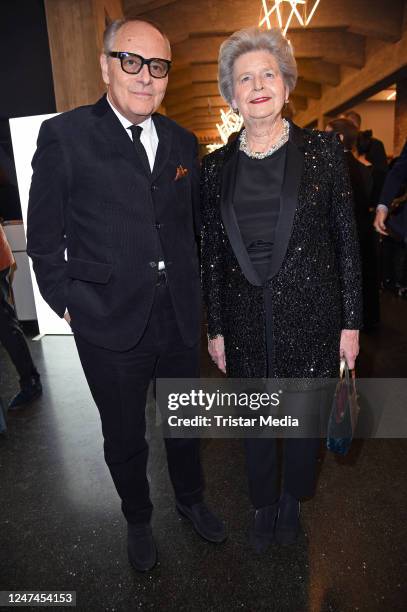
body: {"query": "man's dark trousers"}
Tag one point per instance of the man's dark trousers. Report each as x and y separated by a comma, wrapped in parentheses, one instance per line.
(119, 382)
(92, 197)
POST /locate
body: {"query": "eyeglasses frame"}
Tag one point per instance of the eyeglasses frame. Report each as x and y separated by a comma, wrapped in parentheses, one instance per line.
(123, 54)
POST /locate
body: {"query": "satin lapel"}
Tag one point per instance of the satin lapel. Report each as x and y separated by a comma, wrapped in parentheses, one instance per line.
(115, 134)
(229, 217)
(289, 198)
(164, 146)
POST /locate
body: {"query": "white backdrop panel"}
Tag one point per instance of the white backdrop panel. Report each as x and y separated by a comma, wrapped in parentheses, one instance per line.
(24, 134)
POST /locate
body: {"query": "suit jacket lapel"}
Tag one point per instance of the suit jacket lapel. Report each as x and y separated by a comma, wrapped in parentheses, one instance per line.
(115, 134)
(164, 146)
(289, 197)
(229, 217)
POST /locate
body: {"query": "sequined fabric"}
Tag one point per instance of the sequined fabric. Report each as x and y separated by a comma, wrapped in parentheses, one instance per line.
(316, 292)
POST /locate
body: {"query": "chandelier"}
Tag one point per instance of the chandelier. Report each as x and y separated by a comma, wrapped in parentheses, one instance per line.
(280, 13)
(231, 122)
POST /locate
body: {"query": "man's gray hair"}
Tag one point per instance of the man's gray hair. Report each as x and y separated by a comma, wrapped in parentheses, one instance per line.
(255, 39)
(109, 35)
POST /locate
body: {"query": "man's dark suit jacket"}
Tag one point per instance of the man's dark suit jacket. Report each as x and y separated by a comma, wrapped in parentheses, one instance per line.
(377, 154)
(92, 196)
(395, 179)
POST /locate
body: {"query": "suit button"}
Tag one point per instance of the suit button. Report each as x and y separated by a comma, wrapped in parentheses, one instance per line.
(159, 225)
(153, 264)
(154, 187)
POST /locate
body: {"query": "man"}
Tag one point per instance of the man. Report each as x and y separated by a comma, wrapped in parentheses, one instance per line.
(395, 179)
(12, 336)
(376, 154)
(123, 205)
(361, 180)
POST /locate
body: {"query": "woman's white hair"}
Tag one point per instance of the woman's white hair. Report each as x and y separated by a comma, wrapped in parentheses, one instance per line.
(255, 39)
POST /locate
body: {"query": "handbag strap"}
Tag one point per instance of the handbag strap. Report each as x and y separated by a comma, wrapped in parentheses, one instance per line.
(344, 370)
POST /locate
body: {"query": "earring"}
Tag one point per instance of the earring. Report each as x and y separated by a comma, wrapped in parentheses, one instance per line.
(235, 110)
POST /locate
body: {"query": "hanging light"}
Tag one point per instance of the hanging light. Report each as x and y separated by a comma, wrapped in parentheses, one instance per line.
(284, 11)
(213, 146)
(231, 122)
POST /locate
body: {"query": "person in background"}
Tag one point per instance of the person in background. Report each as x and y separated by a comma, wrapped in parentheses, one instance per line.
(10, 209)
(376, 154)
(362, 182)
(378, 174)
(395, 179)
(393, 228)
(11, 334)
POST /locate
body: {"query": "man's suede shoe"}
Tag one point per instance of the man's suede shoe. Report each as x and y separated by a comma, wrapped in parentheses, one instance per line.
(262, 529)
(30, 391)
(141, 547)
(205, 523)
(288, 520)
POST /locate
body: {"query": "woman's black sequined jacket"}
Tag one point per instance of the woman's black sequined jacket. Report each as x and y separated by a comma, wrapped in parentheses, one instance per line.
(314, 282)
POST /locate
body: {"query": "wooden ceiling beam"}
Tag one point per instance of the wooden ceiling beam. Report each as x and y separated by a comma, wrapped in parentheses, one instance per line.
(335, 46)
(179, 78)
(300, 102)
(365, 17)
(204, 72)
(199, 113)
(199, 102)
(210, 88)
(312, 74)
(205, 121)
(319, 71)
(136, 8)
(179, 108)
(193, 90)
(309, 89)
(384, 61)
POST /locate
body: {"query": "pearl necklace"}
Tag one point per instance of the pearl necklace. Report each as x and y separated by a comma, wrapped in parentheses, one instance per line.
(244, 145)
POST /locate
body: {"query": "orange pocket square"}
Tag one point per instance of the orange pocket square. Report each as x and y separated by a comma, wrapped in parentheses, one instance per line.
(181, 172)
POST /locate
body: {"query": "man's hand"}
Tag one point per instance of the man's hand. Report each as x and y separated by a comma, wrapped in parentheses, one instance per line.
(349, 346)
(216, 348)
(67, 317)
(379, 222)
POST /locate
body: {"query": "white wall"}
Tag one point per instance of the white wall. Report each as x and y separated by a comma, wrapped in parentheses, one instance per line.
(24, 133)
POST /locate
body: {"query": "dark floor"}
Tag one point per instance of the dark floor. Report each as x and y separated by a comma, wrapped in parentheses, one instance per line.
(61, 527)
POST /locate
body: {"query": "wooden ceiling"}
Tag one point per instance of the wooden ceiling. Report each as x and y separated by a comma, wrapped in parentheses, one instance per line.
(336, 42)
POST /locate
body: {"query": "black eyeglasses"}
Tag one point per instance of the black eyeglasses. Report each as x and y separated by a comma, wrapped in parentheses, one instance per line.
(133, 63)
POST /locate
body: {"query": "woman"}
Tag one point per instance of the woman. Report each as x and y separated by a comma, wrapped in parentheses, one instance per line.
(11, 334)
(280, 265)
(362, 180)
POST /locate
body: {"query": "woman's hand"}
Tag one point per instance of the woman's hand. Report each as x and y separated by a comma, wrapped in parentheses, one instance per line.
(349, 346)
(216, 348)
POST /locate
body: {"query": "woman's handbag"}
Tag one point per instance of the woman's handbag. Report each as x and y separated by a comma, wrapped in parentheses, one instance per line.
(344, 413)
